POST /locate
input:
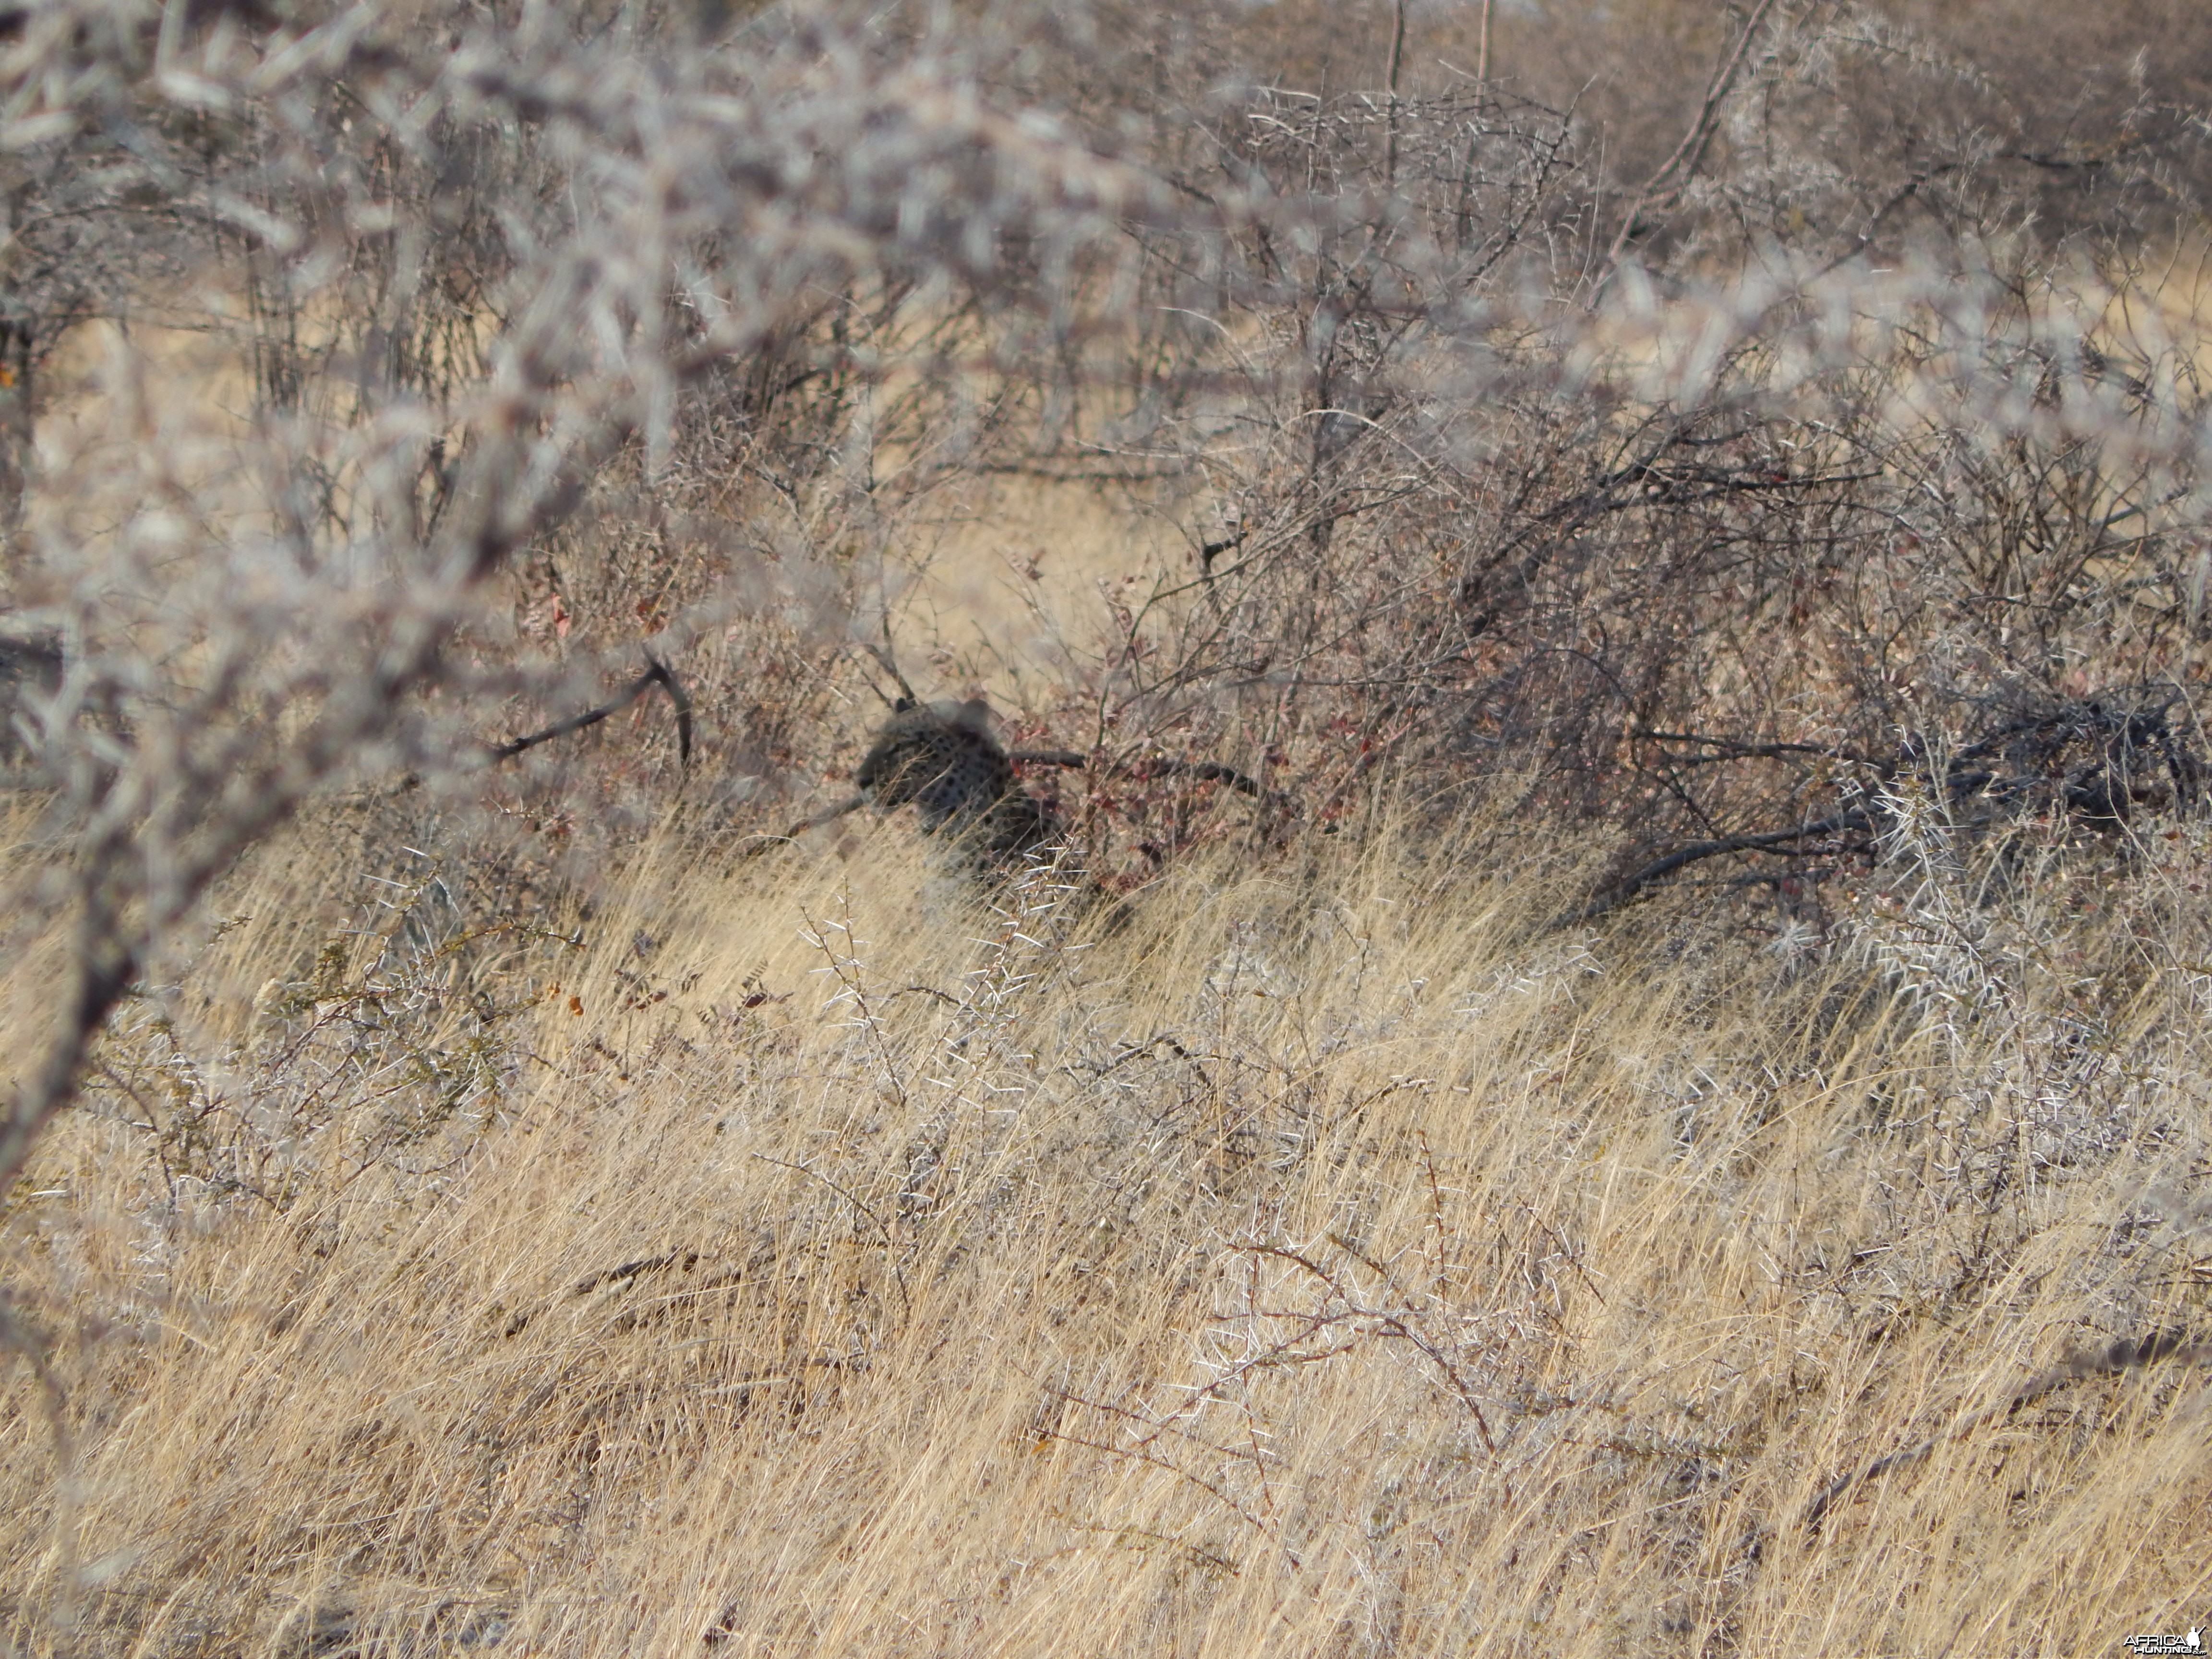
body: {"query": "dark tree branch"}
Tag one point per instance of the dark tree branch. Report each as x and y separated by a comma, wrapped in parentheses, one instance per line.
(1675, 173)
(1160, 766)
(1851, 819)
(659, 674)
(1733, 749)
(2127, 1354)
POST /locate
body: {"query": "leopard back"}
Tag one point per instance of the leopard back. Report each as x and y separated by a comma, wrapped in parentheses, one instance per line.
(942, 759)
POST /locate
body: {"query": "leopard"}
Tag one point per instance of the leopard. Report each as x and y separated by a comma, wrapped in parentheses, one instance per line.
(943, 759)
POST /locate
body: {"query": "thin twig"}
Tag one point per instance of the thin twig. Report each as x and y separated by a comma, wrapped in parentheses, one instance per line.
(888, 663)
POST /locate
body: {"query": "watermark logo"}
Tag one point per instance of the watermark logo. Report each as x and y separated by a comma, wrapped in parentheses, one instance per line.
(2192, 1643)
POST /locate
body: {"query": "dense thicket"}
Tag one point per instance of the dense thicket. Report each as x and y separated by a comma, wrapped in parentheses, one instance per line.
(1614, 593)
(1695, 424)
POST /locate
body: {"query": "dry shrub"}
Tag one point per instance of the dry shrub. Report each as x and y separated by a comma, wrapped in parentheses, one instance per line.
(1324, 1266)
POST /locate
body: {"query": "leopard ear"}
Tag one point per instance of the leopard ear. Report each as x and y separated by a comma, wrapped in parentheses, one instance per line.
(900, 705)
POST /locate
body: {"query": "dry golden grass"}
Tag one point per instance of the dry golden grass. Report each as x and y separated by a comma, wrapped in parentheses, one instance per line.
(808, 1261)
